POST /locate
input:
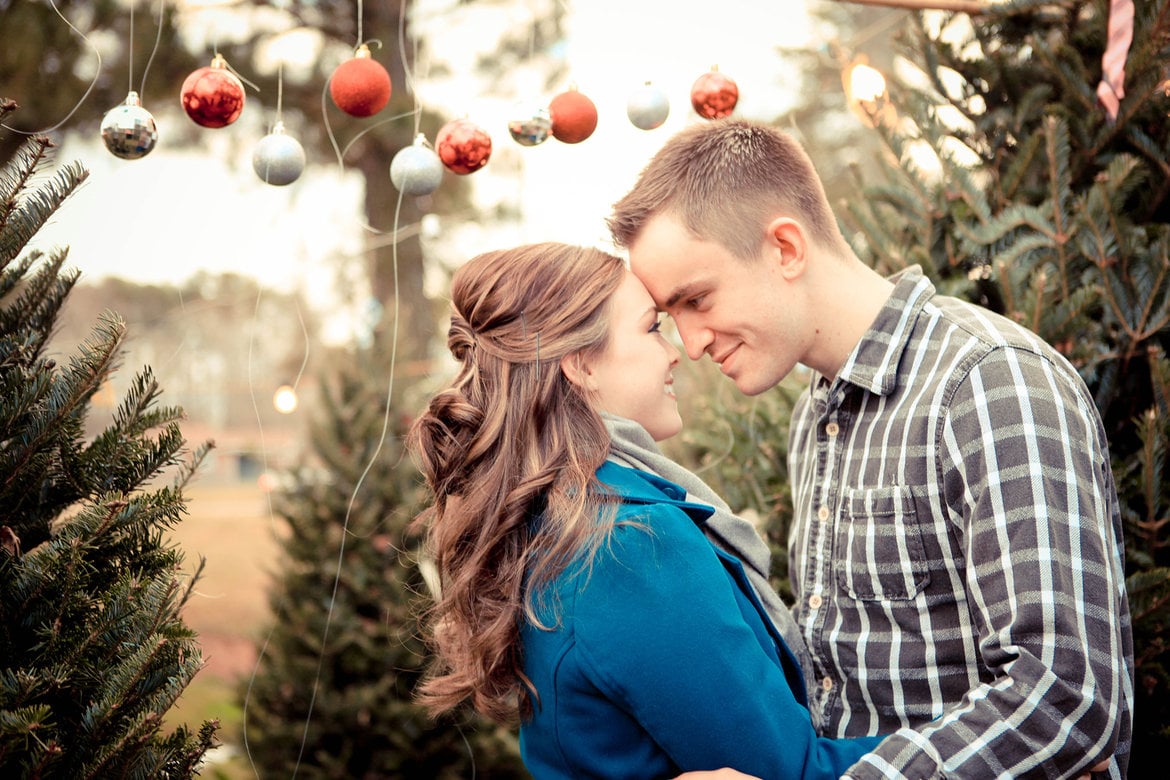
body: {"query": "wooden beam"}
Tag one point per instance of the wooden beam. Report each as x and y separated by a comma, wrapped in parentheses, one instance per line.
(972, 7)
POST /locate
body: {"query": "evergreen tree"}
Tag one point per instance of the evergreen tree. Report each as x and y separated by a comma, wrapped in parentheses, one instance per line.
(93, 649)
(332, 696)
(1009, 184)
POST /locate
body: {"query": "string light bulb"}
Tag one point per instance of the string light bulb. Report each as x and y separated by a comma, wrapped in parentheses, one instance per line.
(866, 92)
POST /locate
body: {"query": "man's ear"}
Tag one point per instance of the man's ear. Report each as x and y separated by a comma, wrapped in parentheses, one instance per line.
(575, 369)
(789, 245)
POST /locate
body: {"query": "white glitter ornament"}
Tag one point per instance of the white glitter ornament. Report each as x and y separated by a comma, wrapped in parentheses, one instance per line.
(129, 130)
(647, 107)
(278, 159)
(416, 169)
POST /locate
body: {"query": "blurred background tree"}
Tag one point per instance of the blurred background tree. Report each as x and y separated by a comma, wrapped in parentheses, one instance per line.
(332, 696)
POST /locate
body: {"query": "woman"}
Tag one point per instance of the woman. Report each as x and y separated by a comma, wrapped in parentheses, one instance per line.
(578, 593)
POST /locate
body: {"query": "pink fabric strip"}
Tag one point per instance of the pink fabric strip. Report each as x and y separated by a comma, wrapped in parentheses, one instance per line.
(1112, 87)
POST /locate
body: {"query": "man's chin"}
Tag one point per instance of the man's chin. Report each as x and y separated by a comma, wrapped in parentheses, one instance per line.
(750, 386)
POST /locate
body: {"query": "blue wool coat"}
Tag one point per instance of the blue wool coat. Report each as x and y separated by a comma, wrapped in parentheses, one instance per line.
(664, 660)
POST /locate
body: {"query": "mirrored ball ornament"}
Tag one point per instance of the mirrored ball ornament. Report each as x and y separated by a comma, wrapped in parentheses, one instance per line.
(416, 170)
(278, 158)
(531, 127)
(647, 107)
(129, 130)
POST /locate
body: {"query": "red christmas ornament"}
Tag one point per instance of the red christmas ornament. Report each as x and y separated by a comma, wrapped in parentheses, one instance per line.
(463, 146)
(714, 95)
(574, 117)
(213, 96)
(360, 87)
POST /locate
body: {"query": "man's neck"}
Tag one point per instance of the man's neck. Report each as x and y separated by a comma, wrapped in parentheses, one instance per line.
(849, 297)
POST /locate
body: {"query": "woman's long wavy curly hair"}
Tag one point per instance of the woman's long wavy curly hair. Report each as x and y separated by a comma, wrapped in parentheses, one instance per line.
(510, 440)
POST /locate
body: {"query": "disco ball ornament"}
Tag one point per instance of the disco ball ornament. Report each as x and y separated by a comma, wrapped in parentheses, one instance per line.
(129, 130)
(415, 169)
(361, 86)
(463, 146)
(278, 158)
(714, 95)
(531, 128)
(213, 96)
(574, 117)
(647, 107)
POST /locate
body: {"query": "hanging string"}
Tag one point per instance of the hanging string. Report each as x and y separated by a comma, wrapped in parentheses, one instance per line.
(154, 51)
(92, 84)
(407, 75)
(279, 92)
(345, 532)
(130, 52)
(360, 14)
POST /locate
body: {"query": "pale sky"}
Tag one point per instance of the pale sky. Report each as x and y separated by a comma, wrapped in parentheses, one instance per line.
(165, 216)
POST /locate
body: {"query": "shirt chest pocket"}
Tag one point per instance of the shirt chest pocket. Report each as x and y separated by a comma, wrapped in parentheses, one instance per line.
(879, 550)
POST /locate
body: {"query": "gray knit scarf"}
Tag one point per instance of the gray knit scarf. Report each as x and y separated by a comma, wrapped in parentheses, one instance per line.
(631, 445)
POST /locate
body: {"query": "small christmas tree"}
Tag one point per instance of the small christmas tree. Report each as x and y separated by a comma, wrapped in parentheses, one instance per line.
(332, 696)
(93, 649)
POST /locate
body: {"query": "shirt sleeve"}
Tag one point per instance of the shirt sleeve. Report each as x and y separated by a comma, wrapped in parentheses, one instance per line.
(1027, 478)
(666, 640)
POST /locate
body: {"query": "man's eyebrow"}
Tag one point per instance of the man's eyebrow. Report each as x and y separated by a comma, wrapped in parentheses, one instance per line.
(680, 293)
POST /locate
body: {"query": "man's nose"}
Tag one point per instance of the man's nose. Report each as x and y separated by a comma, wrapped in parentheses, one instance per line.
(695, 339)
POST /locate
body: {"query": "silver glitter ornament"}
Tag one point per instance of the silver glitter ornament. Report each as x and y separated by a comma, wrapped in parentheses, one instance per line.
(129, 130)
(647, 107)
(278, 158)
(416, 169)
(531, 128)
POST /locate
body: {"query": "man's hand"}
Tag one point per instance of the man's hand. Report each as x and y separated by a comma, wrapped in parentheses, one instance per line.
(1100, 766)
(731, 774)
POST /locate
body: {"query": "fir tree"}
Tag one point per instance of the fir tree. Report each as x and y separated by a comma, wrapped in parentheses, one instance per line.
(1006, 181)
(332, 695)
(93, 649)
(1046, 209)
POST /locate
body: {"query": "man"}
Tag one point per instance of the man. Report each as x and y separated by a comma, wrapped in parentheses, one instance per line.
(956, 550)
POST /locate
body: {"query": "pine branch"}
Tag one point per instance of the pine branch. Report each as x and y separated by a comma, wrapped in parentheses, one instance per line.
(35, 309)
(1060, 191)
(23, 214)
(18, 172)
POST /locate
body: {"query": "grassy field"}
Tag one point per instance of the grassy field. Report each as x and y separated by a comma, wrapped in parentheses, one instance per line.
(230, 526)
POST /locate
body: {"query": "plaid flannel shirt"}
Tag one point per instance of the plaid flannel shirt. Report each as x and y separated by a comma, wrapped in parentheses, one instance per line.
(956, 550)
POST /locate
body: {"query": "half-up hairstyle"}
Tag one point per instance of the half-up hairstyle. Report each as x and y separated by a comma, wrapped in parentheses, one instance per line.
(510, 440)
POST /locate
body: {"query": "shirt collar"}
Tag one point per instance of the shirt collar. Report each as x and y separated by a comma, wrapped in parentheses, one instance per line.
(873, 363)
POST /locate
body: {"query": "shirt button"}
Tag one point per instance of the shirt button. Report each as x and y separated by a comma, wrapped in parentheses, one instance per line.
(827, 683)
(815, 601)
(823, 514)
(832, 429)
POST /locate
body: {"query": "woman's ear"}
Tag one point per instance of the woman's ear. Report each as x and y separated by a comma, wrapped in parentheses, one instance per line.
(574, 368)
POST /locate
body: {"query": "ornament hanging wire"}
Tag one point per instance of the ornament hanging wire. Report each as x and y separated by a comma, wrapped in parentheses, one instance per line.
(97, 74)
